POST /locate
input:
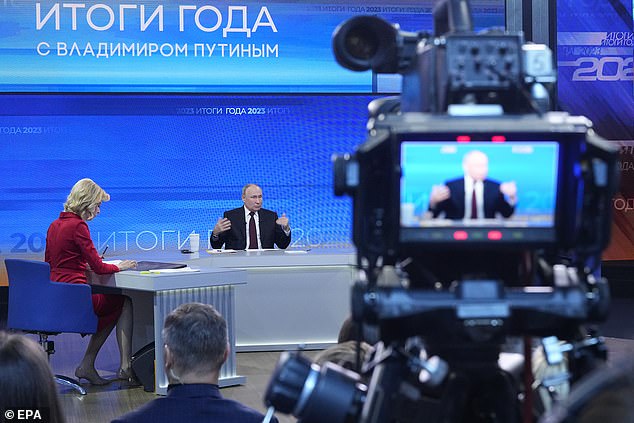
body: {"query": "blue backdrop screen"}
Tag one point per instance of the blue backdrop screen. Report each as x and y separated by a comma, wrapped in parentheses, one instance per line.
(595, 55)
(173, 106)
(178, 46)
(173, 164)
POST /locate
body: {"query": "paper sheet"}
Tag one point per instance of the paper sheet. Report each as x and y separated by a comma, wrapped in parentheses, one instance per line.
(221, 251)
(159, 271)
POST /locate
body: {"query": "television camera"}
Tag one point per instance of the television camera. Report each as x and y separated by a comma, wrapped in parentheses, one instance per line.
(445, 287)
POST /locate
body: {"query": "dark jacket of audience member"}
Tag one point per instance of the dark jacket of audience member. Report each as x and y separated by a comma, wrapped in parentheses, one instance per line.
(26, 380)
(195, 348)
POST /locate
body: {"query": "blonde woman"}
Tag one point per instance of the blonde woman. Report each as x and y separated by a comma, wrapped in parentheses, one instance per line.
(69, 251)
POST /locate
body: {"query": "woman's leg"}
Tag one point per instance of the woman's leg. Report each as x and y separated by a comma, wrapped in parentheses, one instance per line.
(86, 369)
(124, 337)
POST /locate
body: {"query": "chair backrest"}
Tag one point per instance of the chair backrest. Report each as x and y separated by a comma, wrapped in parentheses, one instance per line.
(37, 304)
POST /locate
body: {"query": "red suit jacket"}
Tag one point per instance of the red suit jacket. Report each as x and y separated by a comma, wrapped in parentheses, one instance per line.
(69, 249)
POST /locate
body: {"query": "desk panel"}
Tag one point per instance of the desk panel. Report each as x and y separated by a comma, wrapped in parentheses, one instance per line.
(284, 307)
(154, 296)
(293, 297)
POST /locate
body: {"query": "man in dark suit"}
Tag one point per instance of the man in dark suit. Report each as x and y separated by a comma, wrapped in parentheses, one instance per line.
(473, 196)
(195, 348)
(251, 226)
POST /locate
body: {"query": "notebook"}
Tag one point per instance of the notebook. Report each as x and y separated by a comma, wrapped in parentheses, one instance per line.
(153, 265)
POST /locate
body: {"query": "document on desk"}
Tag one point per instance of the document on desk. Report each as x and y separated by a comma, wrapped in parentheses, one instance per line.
(144, 266)
(222, 251)
(160, 271)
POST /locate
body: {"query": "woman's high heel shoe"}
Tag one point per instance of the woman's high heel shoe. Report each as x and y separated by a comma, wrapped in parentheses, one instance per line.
(127, 375)
(91, 376)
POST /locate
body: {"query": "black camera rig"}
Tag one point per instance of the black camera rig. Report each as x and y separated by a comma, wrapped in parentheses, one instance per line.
(434, 280)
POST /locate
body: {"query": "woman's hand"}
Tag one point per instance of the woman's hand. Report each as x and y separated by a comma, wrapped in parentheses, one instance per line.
(127, 264)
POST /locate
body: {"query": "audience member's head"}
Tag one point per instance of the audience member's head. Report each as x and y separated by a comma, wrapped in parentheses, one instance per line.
(26, 380)
(195, 348)
(352, 331)
(614, 406)
(349, 331)
(605, 395)
(344, 354)
(196, 344)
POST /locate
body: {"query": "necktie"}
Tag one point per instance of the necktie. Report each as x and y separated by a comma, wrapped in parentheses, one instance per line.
(253, 235)
(474, 204)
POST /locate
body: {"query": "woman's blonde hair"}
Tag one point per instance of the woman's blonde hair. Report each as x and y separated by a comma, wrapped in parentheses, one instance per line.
(84, 198)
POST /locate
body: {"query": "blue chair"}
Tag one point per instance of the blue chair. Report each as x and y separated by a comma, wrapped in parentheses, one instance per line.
(38, 305)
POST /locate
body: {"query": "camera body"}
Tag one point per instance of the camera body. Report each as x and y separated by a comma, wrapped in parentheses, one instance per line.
(564, 173)
(478, 215)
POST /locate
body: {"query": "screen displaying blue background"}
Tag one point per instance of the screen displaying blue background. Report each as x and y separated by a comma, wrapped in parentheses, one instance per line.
(301, 37)
(595, 56)
(174, 138)
(425, 164)
(170, 172)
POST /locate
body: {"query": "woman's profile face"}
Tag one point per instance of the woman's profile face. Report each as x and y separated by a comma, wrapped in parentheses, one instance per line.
(94, 212)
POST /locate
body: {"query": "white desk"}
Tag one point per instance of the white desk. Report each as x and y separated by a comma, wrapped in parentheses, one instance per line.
(292, 298)
(155, 295)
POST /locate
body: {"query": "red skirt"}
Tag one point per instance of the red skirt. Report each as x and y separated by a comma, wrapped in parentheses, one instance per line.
(107, 308)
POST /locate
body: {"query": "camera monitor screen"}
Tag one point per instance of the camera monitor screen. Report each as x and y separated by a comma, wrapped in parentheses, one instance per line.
(483, 191)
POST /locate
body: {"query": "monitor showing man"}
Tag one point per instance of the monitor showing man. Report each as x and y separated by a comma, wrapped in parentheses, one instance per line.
(251, 226)
(473, 196)
(478, 191)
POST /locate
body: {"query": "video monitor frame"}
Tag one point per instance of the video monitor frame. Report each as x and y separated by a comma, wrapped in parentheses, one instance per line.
(539, 167)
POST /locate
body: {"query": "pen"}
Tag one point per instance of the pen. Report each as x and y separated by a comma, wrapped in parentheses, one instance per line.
(104, 251)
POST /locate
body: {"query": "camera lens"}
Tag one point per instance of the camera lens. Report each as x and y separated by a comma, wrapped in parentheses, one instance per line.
(361, 43)
(315, 394)
(365, 42)
(287, 382)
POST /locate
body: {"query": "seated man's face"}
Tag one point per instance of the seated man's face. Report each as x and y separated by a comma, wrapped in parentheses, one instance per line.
(253, 198)
(476, 165)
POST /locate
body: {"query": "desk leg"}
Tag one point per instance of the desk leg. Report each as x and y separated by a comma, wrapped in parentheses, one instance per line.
(223, 299)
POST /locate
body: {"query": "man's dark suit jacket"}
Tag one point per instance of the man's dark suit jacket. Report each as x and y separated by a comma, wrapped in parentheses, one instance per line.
(192, 403)
(454, 206)
(236, 237)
